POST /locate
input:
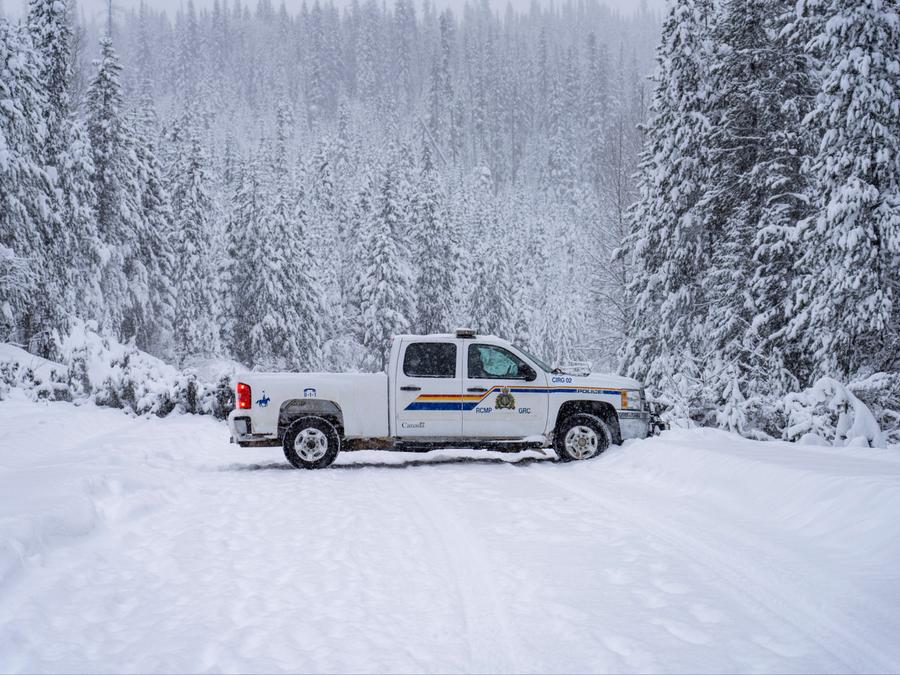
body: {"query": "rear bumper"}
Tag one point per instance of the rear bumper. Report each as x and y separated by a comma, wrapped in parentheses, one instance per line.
(240, 425)
(634, 424)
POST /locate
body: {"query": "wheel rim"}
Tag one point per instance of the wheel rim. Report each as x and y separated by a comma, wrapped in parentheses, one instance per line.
(311, 445)
(582, 442)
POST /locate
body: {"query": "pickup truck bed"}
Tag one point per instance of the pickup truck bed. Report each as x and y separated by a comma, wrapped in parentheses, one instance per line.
(363, 397)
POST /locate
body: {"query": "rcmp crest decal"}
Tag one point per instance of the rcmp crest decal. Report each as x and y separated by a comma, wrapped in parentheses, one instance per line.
(505, 400)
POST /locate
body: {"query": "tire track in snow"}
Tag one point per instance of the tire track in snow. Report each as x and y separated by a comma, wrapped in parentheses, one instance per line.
(487, 623)
(748, 586)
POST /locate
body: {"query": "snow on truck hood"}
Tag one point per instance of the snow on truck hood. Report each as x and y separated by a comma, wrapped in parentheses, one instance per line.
(605, 380)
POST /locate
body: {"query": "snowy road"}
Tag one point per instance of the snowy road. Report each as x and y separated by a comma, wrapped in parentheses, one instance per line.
(153, 545)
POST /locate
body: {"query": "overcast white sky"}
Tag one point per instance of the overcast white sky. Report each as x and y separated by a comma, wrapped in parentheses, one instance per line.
(94, 7)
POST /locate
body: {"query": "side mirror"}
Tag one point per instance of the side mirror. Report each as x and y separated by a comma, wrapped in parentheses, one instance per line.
(530, 375)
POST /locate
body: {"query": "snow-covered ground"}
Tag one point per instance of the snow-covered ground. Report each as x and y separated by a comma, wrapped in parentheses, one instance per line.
(151, 545)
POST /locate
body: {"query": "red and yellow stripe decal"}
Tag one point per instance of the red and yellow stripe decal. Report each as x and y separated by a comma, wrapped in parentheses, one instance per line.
(464, 402)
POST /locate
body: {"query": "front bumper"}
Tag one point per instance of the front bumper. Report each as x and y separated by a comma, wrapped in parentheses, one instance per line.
(634, 424)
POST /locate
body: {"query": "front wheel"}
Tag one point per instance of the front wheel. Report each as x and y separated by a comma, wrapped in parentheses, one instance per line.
(581, 436)
(311, 443)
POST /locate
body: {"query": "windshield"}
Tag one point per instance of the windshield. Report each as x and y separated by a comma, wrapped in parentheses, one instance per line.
(543, 366)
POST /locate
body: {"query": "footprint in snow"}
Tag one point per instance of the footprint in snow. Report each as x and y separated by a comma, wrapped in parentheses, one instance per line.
(779, 647)
(651, 600)
(706, 614)
(618, 577)
(684, 632)
(671, 587)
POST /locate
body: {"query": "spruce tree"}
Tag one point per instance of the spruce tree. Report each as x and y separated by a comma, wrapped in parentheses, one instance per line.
(154, 238)
(668, 242)
(437, 251)
(71, 243)
(596, 114)
(359, 219)
(113, 172)
(196, 309)
(308, 292)
(304, 314)
(846, 296)
(26, 189)
(243, 266)
(386, 297)
(788, 89)
(752, 80)
(275, 336)
(492, 310)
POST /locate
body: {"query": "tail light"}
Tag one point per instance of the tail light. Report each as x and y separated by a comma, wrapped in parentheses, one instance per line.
(244, 396)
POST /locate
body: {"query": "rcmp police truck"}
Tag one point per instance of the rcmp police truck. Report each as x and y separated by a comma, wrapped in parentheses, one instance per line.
(440, 391)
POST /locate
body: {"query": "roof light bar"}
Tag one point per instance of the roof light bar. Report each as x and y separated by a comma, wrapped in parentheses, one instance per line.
(465, 333)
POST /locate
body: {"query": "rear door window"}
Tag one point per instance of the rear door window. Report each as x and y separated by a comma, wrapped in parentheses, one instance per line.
(430, 359)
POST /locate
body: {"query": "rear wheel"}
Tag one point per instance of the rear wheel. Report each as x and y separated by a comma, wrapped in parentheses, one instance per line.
(311, 443)
(581, 436)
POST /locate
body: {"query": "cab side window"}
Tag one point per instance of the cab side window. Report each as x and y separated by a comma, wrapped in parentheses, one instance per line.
(430, 359)
(488, 362)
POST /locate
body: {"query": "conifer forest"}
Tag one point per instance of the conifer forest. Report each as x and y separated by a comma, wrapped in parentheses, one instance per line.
(705, 198)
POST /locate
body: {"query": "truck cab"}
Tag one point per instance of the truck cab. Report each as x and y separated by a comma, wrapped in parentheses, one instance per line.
(447, 390)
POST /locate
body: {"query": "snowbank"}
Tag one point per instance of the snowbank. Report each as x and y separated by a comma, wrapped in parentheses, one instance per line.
(18, 368)
(881, 394)
(863, 413)
(99, 369)
(69, 471)
(829, 414)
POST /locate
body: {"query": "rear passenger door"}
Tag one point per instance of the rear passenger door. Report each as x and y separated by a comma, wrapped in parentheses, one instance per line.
(428, 389)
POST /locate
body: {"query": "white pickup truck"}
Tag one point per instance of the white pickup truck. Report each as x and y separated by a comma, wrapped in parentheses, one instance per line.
(440, 391)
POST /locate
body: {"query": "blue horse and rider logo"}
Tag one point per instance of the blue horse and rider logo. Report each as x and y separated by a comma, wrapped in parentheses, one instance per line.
(264, 401)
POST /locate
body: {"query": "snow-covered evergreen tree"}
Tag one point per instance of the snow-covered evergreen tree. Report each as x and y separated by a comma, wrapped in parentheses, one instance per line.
(304, 311)
(196, 308)
(274, 337)
(436, 246)
(69, 283)
(243, 268)
(153, 240)
(386, 294)
(26, 188)
(598, 129)
(358, 219)
(669, 242)
(788, 89)
(750, 67)
(113, 172)
(309, 294)
(846, 295)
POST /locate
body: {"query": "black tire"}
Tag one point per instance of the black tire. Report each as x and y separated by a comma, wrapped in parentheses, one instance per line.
(601, 434)
(314, 428)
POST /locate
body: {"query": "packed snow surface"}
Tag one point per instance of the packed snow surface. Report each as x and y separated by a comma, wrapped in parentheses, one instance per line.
(152, 545)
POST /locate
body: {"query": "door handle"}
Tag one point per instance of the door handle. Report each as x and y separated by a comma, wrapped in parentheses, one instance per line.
(478, 389)
(410, 388)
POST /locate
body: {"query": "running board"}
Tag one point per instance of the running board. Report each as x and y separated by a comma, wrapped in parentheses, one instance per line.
(473, 444)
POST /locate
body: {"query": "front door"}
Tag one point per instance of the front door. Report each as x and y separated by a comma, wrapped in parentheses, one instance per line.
(506, 397)
(429, 389)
